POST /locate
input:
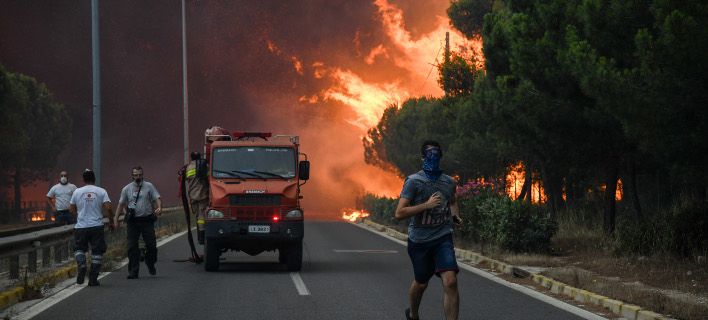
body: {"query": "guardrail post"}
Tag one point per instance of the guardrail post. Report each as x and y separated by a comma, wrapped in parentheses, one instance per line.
(46, 256)
(14, 266)
(58, 253)
(32, 261)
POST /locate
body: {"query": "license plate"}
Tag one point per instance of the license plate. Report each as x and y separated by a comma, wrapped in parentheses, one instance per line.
(259, 229)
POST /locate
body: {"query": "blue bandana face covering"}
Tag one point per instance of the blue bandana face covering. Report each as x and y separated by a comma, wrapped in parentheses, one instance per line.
(431, 163)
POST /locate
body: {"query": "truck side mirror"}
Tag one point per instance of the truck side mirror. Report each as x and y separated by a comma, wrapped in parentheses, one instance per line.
(304, 170)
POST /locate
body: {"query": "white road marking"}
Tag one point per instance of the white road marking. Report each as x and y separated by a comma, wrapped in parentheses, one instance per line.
(532, 293)
(364, 251)
(299, 284)
(70, 287)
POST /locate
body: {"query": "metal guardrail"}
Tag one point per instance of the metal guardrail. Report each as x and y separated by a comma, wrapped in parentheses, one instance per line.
(20, 252)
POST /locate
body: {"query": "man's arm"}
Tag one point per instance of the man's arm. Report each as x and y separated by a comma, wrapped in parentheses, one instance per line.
(72, 209)
(405, 210)
(108, 213)
(51, 203)
(158, 206)
(119, 210)
(455, 209)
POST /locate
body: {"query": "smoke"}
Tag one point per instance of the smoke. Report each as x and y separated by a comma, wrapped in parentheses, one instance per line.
(324, 70)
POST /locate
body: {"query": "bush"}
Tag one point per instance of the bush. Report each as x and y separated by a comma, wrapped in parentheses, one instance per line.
(495, 218)
(682, 231)
(381, 209)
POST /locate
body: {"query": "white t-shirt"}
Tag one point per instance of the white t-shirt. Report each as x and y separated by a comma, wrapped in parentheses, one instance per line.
(61, 194)
(89, 202)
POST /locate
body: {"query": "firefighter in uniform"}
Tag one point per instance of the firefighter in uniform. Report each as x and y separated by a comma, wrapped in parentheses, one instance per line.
(198, 190)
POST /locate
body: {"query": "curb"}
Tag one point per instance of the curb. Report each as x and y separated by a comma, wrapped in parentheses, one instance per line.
(627, 311)
(14, 295)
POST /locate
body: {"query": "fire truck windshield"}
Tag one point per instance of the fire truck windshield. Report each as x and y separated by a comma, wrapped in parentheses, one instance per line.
(254, 162)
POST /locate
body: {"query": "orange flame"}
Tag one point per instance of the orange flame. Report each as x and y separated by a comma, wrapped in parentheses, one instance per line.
(38, 216)
(515, 182)
(353, 214)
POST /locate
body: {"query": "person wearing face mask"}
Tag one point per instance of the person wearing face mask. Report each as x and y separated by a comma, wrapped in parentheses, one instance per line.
(142, 205)
(58, 199)
(428, 199)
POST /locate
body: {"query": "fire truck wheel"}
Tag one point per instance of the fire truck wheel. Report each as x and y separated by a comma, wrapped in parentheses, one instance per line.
(211, 256)
(294, 257)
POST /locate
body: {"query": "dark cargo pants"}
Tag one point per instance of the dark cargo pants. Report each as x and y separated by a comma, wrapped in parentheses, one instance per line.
(146, 229)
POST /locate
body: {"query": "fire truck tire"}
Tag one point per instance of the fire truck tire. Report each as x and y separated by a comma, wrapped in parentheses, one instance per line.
(211, 256)
(294, 257)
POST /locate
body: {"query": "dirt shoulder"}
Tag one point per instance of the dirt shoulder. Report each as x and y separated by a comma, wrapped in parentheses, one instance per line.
(677, 288)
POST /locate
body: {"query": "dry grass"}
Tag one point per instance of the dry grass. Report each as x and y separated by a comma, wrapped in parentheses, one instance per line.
(582, 256)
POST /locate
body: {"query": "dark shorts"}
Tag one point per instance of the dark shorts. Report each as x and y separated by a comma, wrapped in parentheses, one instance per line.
(83, 237)
(432, 257)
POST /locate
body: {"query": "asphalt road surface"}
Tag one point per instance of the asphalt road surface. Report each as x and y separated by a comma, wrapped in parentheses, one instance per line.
(348, 273)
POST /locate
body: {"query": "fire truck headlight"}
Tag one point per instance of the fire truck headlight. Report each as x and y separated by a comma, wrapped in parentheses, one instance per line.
(294, 214)
(215, 214)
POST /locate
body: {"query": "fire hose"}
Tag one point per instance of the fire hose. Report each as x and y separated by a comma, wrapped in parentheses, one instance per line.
(196, 258)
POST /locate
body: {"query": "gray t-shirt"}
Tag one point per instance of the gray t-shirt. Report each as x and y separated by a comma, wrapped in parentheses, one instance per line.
(148, 195)
(89, 201)
(432, 223)
(61, 194)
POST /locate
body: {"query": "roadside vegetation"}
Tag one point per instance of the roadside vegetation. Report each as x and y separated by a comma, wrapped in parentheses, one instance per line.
(577, 135)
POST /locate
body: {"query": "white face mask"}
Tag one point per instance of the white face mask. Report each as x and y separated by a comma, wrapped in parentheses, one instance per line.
(63, 180)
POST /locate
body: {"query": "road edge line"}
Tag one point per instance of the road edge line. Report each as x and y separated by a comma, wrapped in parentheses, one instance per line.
(391, 235)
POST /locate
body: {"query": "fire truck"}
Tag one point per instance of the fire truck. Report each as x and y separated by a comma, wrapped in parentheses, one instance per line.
(254, 195)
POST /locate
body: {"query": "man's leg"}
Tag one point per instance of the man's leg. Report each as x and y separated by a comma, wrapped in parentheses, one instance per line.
(415, 295)
(451, 300)
(98, 247)
(148, 232)
(80, 245)
(133, 251)
(423, 269)
(199, 207)
(446, 267)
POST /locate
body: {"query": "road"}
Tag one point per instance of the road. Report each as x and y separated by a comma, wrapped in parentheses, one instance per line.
(348, 273)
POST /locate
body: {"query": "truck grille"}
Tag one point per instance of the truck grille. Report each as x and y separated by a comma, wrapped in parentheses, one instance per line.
(254, 200)
(254, 213)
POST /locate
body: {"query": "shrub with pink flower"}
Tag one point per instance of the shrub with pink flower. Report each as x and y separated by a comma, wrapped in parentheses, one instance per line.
(472, 188)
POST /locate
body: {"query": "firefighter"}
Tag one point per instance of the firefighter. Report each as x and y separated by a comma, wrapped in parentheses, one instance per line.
(89, 202)
(198, 190)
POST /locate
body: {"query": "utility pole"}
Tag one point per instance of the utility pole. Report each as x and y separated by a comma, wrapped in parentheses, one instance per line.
(185, 99)
(96, 58)
(446, 61)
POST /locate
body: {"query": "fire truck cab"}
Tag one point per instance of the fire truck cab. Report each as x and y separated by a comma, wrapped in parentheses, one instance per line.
(254, 196)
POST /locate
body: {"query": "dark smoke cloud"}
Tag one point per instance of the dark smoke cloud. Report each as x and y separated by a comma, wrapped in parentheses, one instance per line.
(235, 79)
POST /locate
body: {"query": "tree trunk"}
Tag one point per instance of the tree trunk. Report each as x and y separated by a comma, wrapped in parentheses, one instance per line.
(634, 193)
(552, 184)
(610, 208)
(17, 185)
(526, 188)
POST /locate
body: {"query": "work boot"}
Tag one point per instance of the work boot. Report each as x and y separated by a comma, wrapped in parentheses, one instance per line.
(80, 275)
(93, 275)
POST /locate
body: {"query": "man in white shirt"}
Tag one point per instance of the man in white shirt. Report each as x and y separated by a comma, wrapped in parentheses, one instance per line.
(90, 202)
(61, 194)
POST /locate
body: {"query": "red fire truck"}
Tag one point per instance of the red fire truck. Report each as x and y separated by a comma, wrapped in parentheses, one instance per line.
(254, 195)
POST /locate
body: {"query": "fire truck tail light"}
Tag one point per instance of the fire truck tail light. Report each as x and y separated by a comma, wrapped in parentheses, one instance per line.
(294, 214)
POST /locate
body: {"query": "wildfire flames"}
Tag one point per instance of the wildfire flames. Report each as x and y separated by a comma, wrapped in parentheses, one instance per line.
(36, 216)
(353, 214)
